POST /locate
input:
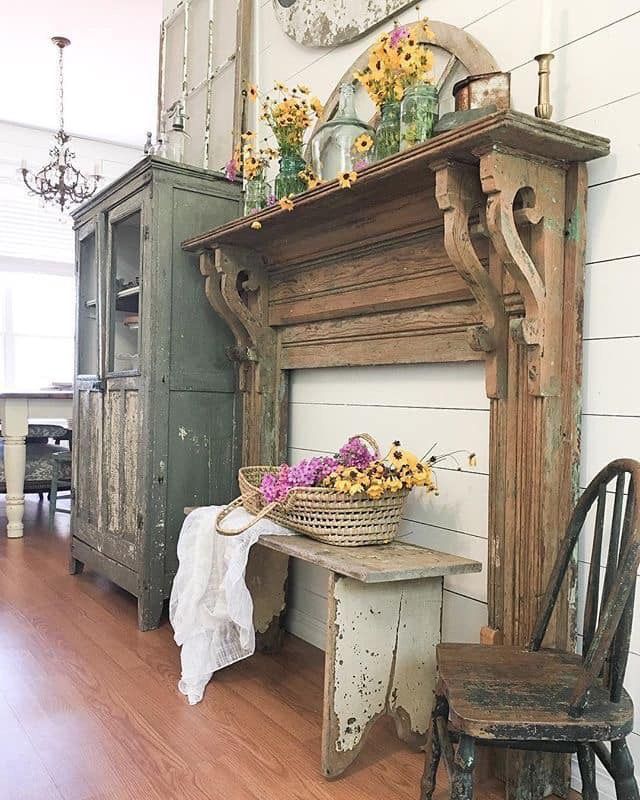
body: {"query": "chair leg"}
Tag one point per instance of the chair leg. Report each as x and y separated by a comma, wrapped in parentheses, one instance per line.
(587, 764)
(464, 762)
(53, 493)
(623, 772)
(433, 750)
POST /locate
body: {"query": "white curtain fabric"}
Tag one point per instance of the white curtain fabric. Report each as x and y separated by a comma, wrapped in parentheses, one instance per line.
(211, 609)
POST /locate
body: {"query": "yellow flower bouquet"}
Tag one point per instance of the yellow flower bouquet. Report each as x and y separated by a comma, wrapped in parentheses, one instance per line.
(397, 60)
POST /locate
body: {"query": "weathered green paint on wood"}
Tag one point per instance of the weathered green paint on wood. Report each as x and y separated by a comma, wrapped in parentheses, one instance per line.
(141, 471)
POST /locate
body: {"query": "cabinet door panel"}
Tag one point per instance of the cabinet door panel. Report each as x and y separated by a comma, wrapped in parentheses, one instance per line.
(121, 477)
(87, 463)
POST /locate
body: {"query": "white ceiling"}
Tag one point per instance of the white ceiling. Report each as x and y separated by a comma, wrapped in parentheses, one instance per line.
(111, 67)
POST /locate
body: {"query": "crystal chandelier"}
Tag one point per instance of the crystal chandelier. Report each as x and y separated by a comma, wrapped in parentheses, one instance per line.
(60, 181)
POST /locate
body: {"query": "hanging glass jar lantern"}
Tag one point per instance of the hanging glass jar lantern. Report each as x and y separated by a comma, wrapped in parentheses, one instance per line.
(418, 114)
(344, 143)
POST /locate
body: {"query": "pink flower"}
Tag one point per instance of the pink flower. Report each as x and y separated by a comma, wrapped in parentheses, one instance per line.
(397, 34)
(231, 170)
(361, 163)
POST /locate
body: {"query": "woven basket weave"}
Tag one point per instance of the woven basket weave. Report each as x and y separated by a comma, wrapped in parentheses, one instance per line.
(322, 513)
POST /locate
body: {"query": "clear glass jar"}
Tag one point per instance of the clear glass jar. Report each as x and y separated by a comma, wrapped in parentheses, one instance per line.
(256, 195)
(288, 180)
(418, 114)
(388, 130)
(333, 146)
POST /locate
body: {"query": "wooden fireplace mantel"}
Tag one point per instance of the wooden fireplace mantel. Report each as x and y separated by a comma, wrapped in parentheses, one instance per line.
(469, 247)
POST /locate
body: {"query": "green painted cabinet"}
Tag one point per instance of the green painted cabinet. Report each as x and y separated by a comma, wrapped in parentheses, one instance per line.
(156, 413)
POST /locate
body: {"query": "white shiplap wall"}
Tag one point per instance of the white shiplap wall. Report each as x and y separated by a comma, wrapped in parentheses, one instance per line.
(594, 87)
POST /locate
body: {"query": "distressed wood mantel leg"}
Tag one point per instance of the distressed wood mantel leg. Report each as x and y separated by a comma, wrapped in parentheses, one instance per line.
(380, 659)
(237, 289)
(535, 426)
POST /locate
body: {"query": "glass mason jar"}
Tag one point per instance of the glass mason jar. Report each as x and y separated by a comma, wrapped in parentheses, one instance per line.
(333, 145)
(418, 114)
(388, 130)
(256, 195)
(288, 180)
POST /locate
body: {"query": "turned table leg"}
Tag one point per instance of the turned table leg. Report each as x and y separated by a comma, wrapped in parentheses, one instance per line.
(14, 431)
(380, 659)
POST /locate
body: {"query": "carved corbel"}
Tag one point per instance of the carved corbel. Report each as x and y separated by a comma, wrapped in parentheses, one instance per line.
(537, 272)
(459, 195)
(237, 288)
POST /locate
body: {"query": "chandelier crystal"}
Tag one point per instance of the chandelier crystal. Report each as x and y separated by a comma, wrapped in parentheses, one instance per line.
(60, 181)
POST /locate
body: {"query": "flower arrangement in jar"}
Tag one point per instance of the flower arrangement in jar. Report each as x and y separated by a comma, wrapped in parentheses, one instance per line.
(252, 162)
(398, 62)
(289, 113)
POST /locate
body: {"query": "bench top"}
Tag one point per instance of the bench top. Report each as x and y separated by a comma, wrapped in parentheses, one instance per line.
(377, 563)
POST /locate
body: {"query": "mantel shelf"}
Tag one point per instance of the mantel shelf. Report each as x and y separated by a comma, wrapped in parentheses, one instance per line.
(401, 174)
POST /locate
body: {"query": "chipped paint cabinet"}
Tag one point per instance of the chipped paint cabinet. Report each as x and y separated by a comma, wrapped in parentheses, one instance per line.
(155, 413)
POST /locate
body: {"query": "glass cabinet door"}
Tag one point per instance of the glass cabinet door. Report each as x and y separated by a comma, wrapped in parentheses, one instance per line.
(124, 292)
(88, 332)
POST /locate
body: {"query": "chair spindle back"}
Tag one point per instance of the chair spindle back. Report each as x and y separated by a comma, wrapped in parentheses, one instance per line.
(608, 615)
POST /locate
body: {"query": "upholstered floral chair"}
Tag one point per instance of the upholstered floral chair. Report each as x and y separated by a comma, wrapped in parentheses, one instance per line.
(43, 441)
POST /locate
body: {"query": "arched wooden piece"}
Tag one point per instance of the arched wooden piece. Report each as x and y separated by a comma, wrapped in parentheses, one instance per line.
(459, 194)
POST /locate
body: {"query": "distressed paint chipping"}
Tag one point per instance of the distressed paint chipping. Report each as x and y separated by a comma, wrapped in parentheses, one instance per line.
(326, 23)
(384, 661)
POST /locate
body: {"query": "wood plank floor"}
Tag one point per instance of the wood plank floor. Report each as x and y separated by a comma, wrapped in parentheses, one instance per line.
(89, 708)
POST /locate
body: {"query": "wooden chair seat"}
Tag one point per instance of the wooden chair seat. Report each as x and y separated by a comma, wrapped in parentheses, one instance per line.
(512, 694)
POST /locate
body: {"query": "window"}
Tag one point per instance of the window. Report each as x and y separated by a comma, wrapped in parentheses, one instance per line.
(36, 329)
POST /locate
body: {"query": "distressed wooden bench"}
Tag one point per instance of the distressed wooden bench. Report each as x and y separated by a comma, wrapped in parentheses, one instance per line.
(383, 624)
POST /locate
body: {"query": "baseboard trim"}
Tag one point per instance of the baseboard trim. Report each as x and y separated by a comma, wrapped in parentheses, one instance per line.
(306, 627)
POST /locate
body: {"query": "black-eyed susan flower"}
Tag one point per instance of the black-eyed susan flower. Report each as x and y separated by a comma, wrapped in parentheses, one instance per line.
(252, 92)
(286, 203)
(347, 179)
(363, 143)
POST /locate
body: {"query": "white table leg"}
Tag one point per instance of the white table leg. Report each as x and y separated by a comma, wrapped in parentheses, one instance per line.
(380, 659)
(14, 431)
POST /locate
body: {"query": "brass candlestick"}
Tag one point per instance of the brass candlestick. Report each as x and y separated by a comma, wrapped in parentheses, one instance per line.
(544, 109)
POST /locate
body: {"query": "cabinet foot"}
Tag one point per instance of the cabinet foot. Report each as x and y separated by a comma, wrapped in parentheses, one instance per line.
(75, 566)
(149, 612)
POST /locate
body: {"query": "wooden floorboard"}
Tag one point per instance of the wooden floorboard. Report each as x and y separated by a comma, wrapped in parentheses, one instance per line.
(89, 706)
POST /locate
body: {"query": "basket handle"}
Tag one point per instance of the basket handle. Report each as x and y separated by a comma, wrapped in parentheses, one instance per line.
(366, 437)
(233, 505)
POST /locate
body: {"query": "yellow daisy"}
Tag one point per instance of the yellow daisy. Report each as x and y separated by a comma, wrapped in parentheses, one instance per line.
(286, 204)
(363, 143)
(347, 179)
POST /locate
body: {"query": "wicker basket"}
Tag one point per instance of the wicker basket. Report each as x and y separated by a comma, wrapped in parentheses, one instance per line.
(321, 513)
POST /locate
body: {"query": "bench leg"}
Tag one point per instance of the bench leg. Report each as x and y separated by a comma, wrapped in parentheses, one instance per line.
(266, 578)
(380, 659)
